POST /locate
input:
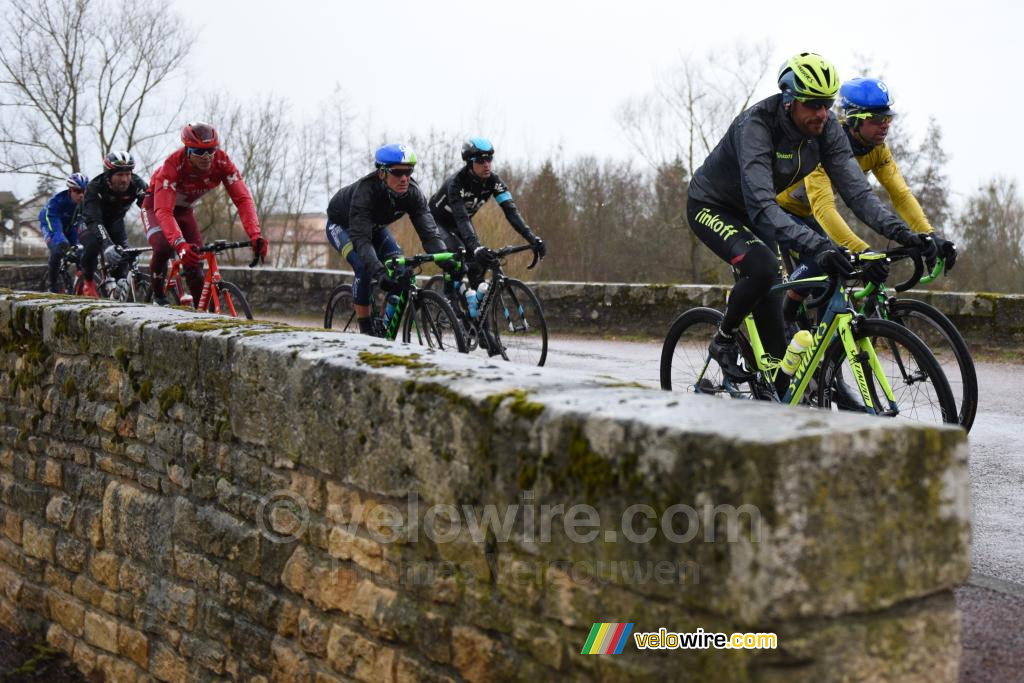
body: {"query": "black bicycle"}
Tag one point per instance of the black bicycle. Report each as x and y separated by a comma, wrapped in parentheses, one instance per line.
(507, 320)
(425, 317)
(135, 286)
(67, 271)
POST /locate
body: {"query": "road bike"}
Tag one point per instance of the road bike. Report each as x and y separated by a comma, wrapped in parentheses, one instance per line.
(424, 316)
(509, 320)
(896, 375)
(218, 295)
(67, 271)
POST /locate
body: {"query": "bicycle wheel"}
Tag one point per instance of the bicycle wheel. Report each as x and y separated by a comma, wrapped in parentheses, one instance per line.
(516, 321)
(140, 288)
(686, 365)
(232, 301)
(431, 322)
(949, 348)
(919, 386)
(341, 312)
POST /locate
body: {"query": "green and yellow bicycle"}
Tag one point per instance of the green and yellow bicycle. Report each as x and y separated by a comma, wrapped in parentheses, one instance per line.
(896, 374)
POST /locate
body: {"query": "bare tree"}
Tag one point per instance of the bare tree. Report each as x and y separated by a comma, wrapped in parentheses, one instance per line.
(78, 77)
(693, 104)
(992, 225)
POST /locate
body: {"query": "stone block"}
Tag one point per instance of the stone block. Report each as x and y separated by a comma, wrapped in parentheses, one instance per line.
(67, 612)
(166, 665)
(104, 567)
(133, 644)
(38, 541)
(71, 552)
(137, 523)
(101, 630)
(60, 511)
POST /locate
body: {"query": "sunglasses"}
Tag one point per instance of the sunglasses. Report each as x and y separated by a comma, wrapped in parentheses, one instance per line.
(816, 103)
(483, 158)
(195, 151)
(74, 191)
(400, 172)
(880, 118)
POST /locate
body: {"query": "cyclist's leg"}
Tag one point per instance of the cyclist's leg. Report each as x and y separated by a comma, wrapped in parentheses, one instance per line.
(190, 231)
(453, 281)
(806, 267)
(756, 266)
(90, 254)
(52, 266)
(162, 252)
(338, 238)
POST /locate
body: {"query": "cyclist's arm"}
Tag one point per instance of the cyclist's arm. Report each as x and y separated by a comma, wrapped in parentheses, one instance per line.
(823, 205)
(903, 200)
(360, 228)
(165, 195)
(50, 223)
(426, 228)
(463, 223)
(848, 178)
(754, 155)
(239, 193)
(515, 219)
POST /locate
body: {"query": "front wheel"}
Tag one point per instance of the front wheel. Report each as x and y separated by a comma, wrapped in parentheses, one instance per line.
(920, 391)
(949, 348)
(232, 301)
(431, 322)
(341, 313)
(517, 324)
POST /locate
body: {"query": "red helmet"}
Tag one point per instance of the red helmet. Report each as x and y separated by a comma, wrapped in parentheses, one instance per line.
(199, 135)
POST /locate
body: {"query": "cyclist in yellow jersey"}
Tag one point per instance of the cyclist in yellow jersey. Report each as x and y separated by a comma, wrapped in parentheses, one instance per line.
(867, 115)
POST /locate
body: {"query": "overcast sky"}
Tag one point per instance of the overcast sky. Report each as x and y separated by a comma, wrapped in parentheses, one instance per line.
(534, 75)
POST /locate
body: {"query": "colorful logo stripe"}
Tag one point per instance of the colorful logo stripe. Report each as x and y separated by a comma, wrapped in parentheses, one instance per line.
(607, 639)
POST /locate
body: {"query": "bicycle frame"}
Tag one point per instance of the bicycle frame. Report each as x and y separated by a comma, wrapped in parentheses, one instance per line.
(840, 319)
(210, 280)
(498, 278)
(409, 265)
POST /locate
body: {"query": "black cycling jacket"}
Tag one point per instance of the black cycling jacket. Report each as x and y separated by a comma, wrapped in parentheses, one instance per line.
(763, 153)
(102, 206)
(461, 196)
(367, 205)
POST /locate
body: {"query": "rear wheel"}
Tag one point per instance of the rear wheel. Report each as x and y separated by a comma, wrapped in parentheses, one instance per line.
(686, 365)
(517, 324)
(949, 348)
(920, 389)
(232, 301)
(431, 322)
(341, 313)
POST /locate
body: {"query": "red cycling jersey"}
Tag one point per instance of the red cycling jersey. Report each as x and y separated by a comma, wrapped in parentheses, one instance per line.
(178, 183)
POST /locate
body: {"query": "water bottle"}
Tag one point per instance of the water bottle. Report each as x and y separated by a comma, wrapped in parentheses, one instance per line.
(802, 340)
(471, 302)
(389, 308)
(481, 294)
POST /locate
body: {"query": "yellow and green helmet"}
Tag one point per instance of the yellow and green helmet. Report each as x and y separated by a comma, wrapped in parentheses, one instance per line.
(808, 76)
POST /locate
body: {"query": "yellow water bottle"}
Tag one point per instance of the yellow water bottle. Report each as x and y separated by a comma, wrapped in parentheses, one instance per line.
(801, 342)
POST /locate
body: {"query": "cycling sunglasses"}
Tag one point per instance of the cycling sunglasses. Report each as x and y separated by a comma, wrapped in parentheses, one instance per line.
(816, 102)
(400, 172)
(481, 158)
(195, 151)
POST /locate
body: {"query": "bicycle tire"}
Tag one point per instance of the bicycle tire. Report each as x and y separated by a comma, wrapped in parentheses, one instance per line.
(686, 365)
(948, 346)
(141, 290)
(230, 296)
(922, 395)
(341, 312)
(434, 320)
(522, 337)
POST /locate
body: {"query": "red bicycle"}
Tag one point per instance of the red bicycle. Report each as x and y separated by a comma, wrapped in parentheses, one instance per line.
(218, 296)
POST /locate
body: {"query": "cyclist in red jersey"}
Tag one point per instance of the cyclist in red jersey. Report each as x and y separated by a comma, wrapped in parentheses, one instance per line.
(177, 185)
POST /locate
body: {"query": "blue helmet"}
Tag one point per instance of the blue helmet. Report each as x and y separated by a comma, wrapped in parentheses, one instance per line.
(77, 181)
(390, 155)
(474, 147)
(864, 97)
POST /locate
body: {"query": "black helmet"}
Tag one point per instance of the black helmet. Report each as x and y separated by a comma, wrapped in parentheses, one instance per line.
(476, 147)
(119, 161)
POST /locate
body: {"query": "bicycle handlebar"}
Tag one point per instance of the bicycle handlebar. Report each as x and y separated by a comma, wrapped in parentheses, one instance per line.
(505, 251)
(223, 245)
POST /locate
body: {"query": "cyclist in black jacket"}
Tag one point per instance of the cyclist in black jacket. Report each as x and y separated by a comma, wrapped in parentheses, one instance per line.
(732, 205)
(358, 216)
(461, 196)
(107, 199)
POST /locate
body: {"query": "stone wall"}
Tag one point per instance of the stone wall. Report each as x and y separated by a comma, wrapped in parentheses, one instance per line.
(987, 319)
(193, 498)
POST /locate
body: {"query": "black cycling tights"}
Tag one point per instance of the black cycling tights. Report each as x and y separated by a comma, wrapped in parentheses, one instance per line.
(757, 269)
